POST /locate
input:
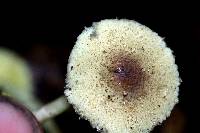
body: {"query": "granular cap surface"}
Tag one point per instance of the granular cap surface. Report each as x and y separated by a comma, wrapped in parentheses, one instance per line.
(121, 77)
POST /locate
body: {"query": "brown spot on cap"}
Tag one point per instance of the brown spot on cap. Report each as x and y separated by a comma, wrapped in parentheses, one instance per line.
(126, 72)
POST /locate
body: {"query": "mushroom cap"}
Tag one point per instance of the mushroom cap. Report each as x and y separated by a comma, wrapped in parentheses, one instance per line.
(121, 77)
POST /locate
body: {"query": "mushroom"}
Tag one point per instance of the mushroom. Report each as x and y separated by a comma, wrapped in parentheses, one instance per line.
(124, 77)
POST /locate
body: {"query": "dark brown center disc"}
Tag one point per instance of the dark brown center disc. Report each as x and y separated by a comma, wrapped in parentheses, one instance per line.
(126, 72)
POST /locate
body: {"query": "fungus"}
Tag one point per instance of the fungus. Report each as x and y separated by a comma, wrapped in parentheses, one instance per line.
(124, 78)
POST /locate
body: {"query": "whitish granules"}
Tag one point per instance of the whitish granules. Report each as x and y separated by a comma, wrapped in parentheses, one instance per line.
(122, 77)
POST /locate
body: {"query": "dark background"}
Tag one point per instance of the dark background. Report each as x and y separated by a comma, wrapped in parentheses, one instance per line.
(45, 38)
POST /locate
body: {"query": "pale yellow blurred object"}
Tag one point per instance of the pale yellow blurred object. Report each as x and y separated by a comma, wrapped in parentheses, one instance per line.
(16, 78)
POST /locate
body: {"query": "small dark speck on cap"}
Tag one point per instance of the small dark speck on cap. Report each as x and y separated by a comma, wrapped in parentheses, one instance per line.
(72, 67)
